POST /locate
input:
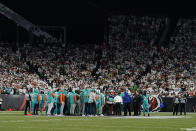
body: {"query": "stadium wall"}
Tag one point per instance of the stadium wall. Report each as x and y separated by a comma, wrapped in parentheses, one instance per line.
(17, 102)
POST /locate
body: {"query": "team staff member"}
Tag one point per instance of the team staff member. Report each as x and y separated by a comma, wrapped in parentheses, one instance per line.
(136, 103)
(73, 101)
(82, 103)
(86, 100)
(100, 102)
(28, 99)
(92, 102)
(42, 101)
(118, 101)
(50, 96)
(183, 104)
(145, 103)
(36, 101)
(176, 102)
(127, 103)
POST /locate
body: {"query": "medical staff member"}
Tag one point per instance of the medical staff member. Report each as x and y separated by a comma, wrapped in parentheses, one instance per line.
(36, 101)
(50, 96)
(145, 103)
(42, 101)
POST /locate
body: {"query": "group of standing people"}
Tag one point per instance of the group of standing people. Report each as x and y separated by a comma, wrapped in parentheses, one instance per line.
(123, 102)
(85, 102)
(65, 102)
(179, 101)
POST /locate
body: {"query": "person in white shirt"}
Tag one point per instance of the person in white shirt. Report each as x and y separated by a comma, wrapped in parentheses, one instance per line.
(118, 102)
(92, 101)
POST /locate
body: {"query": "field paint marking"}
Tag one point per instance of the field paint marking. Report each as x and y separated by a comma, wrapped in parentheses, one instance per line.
(106, 117)
(151, 117)
(20, 121)
(74, 127)
(6, 113)
(49, 128)
(189, 129)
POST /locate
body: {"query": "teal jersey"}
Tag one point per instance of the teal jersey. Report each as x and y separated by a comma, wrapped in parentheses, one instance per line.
(88, 90)
(35, 95)
(102, 98)
(65, 93)
(7, 90)
(99, 99)
(110, 99)
(82, 96)
(54, 99)
(42, 98)
(49, 97)
(71, 98)
(145, 99)
(122, 94)
(68, 95)
(86, 96)
(58, 97)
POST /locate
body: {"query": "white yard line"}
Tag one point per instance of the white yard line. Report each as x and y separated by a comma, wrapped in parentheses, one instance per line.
(76, 127)
(189, 129)
(151, 117)
(50, 128)
(106, 117)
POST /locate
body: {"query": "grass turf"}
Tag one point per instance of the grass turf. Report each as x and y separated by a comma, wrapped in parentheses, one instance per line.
(16, 121)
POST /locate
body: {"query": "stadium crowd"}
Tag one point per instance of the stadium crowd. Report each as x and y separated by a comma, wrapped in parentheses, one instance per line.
(131, 62)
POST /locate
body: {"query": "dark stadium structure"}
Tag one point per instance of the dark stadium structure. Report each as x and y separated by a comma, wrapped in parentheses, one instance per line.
(86, 16)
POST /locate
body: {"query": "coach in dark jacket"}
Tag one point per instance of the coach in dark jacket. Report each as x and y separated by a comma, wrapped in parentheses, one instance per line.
(136, 104)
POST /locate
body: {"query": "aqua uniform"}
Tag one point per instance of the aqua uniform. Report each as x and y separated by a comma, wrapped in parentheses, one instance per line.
(54, 102)
(45, 103)
(82, 96)
(72, 101)
(121, 106)
(7, 90)
(100, 99)
(71, 97)
(32, 101)
(36, 101)
(86, 101)
(145, 103)
(82, 103)
(87, 95)
(58, 105)
(41, 102)
(49, 102)
(68, 103)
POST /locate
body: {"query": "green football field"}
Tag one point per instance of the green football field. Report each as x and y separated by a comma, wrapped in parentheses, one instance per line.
(16, 121)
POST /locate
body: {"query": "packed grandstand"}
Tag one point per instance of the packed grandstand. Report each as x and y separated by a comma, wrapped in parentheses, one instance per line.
(128, 60)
